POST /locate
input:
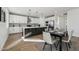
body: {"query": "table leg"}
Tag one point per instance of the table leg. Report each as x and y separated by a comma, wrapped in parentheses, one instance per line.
(22, 31)
(60, 46)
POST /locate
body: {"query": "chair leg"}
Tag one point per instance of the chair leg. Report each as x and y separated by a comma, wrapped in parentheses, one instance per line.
(44, 46)
(66, 46)
(55, 46)
(70, 42)
(69, 45)
(58, 43)
(51, 47)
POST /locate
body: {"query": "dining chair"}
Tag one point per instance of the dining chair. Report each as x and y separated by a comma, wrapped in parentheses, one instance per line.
(67, 39)
(48, 40)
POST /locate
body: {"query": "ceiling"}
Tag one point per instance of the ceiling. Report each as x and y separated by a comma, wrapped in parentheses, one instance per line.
(40, 11)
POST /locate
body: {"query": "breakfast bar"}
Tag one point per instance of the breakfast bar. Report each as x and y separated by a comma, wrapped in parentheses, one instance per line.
(32, 30)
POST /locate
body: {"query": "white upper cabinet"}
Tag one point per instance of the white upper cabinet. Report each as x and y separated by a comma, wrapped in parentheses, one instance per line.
(18, 19)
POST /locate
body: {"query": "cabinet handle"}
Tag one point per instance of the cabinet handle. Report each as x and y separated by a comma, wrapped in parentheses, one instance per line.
(13, 25)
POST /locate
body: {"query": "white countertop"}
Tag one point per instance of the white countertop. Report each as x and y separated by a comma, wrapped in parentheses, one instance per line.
(34, 27)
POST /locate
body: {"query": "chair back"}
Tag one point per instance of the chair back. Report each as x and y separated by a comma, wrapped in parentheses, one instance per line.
(70, 33)
(47, 37)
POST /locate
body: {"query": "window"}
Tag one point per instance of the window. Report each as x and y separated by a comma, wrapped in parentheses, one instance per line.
(2, 15)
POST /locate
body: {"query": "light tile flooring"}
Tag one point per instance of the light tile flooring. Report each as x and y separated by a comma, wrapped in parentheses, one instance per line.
(31, 46)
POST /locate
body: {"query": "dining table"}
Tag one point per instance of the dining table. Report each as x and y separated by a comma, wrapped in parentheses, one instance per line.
(59, 34)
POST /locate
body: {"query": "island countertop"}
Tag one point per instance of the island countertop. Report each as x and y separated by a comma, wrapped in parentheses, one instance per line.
(34, 27)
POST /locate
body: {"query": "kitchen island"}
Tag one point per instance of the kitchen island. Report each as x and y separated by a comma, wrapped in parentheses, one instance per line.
(30, 31)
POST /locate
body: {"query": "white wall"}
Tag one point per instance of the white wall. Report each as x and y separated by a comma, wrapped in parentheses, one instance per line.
(3, 34)
(62, 22)
(73, 21)
(4, 29)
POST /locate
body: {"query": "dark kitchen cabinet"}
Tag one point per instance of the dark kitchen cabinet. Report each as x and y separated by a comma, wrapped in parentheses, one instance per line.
(34, 31)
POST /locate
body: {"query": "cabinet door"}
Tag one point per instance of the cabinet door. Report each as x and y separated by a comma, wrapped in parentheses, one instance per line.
(11, 20)
(11, 30)
(20, 29)
(16, 29)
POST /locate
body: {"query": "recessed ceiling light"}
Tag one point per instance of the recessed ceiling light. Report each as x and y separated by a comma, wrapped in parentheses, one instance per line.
(29, 9)
(36, 11)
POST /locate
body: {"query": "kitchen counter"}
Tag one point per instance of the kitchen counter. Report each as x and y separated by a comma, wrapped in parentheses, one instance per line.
(33, 30)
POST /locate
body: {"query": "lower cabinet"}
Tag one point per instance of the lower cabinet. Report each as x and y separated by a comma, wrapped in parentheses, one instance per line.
(15, 30)
(34, 31)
